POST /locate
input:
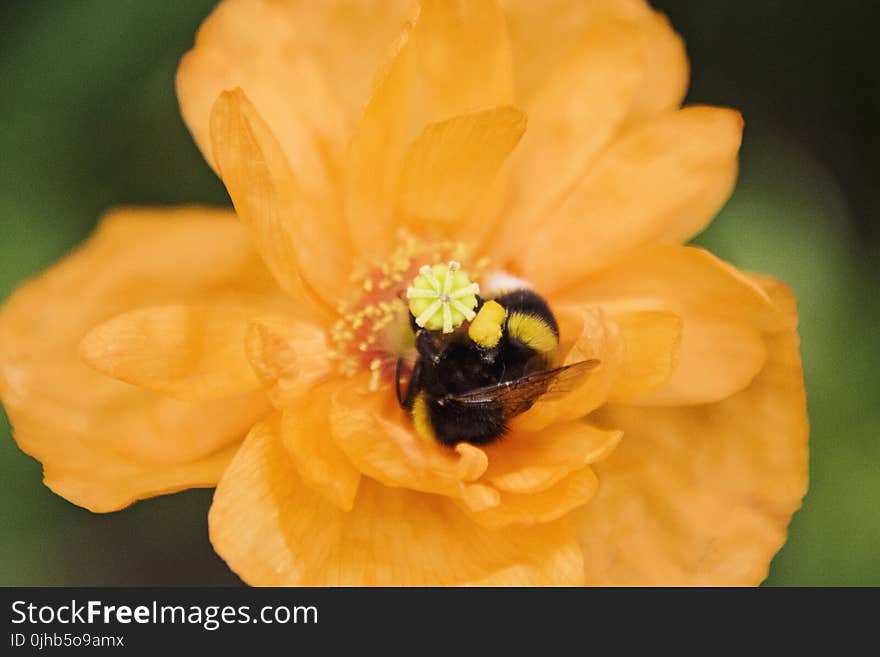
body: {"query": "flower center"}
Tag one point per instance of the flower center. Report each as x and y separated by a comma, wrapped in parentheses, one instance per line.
(373, 329)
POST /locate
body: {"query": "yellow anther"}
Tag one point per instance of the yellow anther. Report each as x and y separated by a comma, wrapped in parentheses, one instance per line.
(442, 297)
(372, 322)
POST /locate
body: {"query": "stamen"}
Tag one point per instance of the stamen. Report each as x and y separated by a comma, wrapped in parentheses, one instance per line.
(375, 373)
(373, 332)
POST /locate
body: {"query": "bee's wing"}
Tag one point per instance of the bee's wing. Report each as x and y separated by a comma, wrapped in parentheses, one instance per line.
(518, 396)
(568, 377)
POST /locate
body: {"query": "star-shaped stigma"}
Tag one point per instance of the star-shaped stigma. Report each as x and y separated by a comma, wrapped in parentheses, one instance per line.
(442, 297)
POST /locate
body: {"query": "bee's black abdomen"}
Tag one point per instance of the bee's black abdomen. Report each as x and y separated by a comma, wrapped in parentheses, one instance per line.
(453, 423)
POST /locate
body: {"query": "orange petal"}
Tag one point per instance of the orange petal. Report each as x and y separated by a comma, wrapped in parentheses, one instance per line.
(377, 436)
(273, 530)
(716, 359)
(598, 339)
(187, 352)
(652, 339)
(578, 109)
(663, 180)
(702, 495)
(571, 492)
(464, 55)
(104, 443)
(376, 151)
(722, 311)
(452, 164)
(101, 480)
(289, 356)
(276, 51)
(684, 277)
(665, 81)
(547, 34)
(785, 304)
(533, 462)
(300, 246)
(306, 434)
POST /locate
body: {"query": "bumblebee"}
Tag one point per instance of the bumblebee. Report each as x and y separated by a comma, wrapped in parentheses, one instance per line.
(467, 386)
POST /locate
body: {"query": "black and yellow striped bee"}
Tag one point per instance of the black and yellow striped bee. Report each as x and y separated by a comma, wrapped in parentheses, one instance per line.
(465, 387)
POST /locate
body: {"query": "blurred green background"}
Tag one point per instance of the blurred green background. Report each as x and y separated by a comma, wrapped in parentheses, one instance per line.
(88, 120)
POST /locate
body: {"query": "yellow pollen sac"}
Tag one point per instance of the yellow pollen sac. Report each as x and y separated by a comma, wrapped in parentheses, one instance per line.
(442, 297)
(486, 329)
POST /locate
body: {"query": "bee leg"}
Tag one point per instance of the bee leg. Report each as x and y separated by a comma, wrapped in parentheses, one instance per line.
(427, 347)
(412, 324)
(397, 382)
(406, 401)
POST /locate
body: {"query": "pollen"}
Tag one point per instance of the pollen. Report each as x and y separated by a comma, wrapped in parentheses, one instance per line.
(373, 329)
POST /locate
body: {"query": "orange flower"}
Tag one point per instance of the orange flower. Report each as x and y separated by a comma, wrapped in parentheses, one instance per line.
(679, 460)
